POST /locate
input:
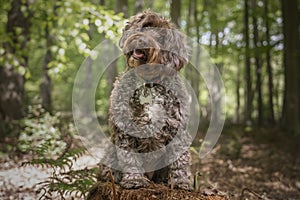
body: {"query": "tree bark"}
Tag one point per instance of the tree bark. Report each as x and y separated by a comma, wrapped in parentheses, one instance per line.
(188, 69)
(139, 5)
(150, 4)
(176, 12)
(238, 96)
(291, 115)
(102, 2)
(271, 117)
(196, 78)
(248, 90)
(11, 81)
(122, 6)
(46, 85)
(258, 65)
(298, 52)
(112, 70)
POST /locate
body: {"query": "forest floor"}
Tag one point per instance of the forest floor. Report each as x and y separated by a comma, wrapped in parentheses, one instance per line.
(261, 164)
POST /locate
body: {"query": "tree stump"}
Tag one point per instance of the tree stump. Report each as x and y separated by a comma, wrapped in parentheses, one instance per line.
(108, 191)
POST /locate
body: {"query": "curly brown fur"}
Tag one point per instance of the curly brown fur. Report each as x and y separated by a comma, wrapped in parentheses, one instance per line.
(157, 37)
(148, 118)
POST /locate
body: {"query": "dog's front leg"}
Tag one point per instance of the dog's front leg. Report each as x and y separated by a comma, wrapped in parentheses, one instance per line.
(180, 174)
(134, 180)
(133, 172)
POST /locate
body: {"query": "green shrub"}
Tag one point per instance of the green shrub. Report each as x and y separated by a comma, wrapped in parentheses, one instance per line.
(54, 145)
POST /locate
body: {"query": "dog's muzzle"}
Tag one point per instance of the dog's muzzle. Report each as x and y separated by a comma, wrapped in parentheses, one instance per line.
(140, 48)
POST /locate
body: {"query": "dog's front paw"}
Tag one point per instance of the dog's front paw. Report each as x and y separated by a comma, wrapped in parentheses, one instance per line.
(130, 181)
(103, 174)
(184, 186)
(181, 183)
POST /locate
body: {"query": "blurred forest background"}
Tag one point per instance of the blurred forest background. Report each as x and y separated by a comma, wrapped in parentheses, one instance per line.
(255, 44)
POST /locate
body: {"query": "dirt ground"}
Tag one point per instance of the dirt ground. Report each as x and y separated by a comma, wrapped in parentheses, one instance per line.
(107, 191)
(261, 164)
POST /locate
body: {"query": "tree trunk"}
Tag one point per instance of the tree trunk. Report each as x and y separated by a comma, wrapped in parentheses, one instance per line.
(248, 90)
(189, 16)
(258, 66)
(102, 2)
(122, 6)
(298, 53)
(238, 96)
(46, 85)
(176, 12)
(188, 69)
(271, 117)
(112, 70)
(291, 108)
(196, 78)
(11, 81)
(139, 5)
(89, 78)
(190, 72)
(150, 4)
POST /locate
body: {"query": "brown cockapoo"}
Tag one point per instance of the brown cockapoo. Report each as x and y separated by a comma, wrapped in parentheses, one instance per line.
(149, 108)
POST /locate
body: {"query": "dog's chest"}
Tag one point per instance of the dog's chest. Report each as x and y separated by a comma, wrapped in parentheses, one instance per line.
(148, 105)
(147, 116)
(153, 109)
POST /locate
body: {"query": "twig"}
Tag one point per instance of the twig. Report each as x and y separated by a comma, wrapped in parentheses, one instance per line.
(170, 192)
(252, 192)
(113, 184)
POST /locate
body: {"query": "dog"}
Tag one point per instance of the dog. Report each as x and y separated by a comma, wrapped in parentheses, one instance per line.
(149, 108)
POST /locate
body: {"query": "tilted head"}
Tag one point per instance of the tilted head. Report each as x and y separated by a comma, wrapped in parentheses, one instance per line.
(149, 38)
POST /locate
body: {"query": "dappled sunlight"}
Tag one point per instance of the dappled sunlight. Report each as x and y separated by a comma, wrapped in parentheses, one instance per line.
(260, 169)
(239, 60)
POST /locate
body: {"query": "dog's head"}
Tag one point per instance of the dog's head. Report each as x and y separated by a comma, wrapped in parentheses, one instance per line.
(149, 38)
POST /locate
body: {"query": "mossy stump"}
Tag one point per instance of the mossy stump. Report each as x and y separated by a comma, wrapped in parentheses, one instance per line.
(108, 191)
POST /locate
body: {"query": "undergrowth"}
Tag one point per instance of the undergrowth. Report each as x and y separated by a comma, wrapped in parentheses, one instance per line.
(52, 144)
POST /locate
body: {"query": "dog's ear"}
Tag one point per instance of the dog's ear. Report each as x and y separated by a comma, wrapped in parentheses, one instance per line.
(123, 38)
(175, 49)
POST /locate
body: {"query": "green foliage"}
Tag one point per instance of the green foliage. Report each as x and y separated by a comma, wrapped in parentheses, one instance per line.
(76, 27)
(72, 27)
(54, 146)
(41, 134)
(72, 183)
(78, 32)
(69, 29)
